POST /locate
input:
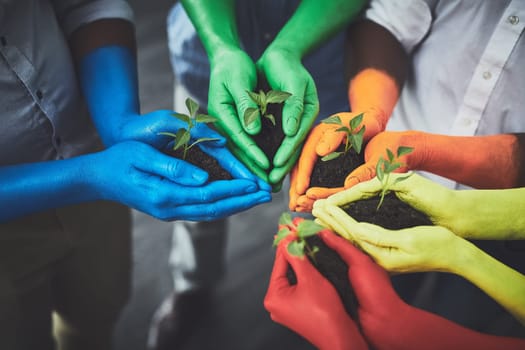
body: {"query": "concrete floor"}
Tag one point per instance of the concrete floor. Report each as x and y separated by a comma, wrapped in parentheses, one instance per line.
(237, 319)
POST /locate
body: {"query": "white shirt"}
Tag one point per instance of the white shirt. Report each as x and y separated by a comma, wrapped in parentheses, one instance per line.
(468, 64)
(42, 113)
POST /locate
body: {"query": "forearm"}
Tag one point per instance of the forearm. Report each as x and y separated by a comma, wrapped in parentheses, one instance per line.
(107, 69)
(215, 24)
(372, 48)
(488, 162)
(30, 188)
(319, 19)
(502, 283)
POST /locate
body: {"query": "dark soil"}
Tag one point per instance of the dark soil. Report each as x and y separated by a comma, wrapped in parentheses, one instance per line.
(204, 161)
(334, 269)
(393, 214)
(332, 173)
(271, 136)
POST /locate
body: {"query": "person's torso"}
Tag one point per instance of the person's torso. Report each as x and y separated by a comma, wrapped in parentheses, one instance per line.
(42, 114)
(467, 75)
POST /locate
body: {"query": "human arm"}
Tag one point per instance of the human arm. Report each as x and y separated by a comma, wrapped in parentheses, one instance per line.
(431, 248)
(281, 65)
(312, 308)
(485, 162)
(377, 74)
(492, 214)
(131, 173)
(232, 74)
(389, 323)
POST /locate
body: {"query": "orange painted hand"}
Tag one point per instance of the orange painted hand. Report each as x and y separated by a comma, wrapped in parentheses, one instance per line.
(373, 94)
(322, 140)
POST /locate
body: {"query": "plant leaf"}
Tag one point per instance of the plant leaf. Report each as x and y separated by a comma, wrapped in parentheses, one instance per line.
(182, 137)
(250, 115)
(391, 167)
(275, 96)
(354, 123)
(166, 133)
(285, 219)
(402, 150)
(203, 139)
(379, 168)
(401, 178)
(390, 155)
(280, 235)
(331, 156)
(183, 117)
(192, 106)
(296, 248)
(343, 129)
(308, 228)
(255, 97)
(357, 140)
(204, 118)
(332, 120)
(271, 118)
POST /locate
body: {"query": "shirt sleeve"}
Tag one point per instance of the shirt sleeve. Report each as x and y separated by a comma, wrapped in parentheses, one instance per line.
(72, 14)
(408, 20)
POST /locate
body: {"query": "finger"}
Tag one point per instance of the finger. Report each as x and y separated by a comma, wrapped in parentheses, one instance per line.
(329, 141)
(249, 162)
(304, 204)
(279, 172)
(243, 102)
(229, 162)
(315, 193)
(348, 252)
(360, 174)
(362, 190)
(173, 169)
(221, 208)
(203, 131)
(304, 270)
(307, 160)
(241, 140)
(324, 213)
(292, 193)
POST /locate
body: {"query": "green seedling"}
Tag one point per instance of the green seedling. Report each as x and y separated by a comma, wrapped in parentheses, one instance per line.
(183, 135)
(262, 100)
(354, 137)
(306, 228)
(385, 167)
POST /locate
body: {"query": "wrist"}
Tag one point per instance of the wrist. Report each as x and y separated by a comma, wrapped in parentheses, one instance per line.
(278, 52)
(464, 257)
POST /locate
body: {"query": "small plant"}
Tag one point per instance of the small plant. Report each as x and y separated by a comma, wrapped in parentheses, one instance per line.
(306, 228)
(385, 167)
(183, 135)
(262, 99)
(354, 138)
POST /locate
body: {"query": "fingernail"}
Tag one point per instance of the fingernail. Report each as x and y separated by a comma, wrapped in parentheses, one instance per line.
(200, 176)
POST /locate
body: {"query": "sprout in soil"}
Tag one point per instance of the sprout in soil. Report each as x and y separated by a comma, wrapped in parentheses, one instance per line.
(354, 137)
(262, 99)
(385, 167)
(183, 135)
(306, 228)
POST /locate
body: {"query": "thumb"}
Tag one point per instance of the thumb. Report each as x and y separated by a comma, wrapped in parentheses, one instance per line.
(173, 169)
(360, 174)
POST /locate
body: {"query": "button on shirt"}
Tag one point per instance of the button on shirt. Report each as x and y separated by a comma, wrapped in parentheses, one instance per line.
(42, 114)
(467, 61)
(467, 66)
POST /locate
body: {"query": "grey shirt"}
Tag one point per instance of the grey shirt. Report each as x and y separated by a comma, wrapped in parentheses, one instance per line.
(42, 113)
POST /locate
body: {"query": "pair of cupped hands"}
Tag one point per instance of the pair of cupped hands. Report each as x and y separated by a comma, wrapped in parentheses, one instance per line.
(174, 189)
(312, 307)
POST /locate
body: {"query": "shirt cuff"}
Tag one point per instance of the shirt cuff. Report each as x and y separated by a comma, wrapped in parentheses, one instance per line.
(409, 20)
(95, 10)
